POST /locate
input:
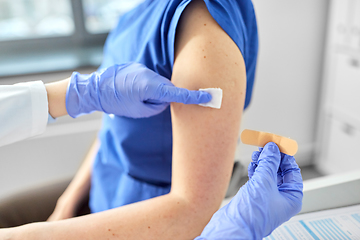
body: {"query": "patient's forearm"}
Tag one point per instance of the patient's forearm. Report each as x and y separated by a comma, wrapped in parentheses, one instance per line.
(81, 181)
(166, 217)
(79, 187)
(56, 92)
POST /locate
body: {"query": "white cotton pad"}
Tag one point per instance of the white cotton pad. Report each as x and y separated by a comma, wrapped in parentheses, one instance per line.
(217, 94)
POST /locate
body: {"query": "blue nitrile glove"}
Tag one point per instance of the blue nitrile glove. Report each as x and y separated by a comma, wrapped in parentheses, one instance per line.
(271, 197)
(130, 90)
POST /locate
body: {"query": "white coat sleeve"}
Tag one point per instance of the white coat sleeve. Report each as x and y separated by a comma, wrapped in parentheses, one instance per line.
(23, 111)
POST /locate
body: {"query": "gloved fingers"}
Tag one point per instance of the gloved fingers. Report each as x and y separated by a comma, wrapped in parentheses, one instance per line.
(279, 173)
(279, 178)
(292, 181)
(287, 162)
(152, 109)
(251, 169)
(269, 160)
(290, 170)
(293, 192)
(169, 93)
(255, 156)
(155, 102)
(253, 164)
(295, 189)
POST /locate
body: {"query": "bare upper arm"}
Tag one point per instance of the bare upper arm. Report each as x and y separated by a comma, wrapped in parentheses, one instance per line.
(204, 139)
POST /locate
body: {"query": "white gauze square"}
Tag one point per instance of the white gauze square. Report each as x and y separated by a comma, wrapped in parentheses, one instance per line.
(217, 94)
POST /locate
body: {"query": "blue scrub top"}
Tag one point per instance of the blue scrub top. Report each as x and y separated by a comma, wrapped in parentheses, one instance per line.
(134, 160)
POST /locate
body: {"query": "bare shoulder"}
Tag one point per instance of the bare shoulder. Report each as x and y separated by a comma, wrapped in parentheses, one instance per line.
(202, 44)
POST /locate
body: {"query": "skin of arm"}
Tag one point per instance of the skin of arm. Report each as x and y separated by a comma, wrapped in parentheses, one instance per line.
(78, 189)
(204, 142)
(56, 93)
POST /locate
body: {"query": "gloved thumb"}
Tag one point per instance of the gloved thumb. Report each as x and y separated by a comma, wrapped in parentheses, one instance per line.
(269, 160)
(181, 95)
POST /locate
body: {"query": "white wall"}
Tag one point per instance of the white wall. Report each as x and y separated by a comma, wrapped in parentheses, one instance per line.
(285, 98)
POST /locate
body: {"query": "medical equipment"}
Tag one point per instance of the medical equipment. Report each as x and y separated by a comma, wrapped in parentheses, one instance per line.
(129, 90)
(257, 138)
(217, 94)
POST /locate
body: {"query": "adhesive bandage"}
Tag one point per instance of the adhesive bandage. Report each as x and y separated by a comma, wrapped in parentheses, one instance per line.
(260, 139)
(216, 100)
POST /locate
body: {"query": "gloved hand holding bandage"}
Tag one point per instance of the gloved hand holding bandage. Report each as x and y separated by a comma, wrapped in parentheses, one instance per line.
(129, 90)
(271, 197)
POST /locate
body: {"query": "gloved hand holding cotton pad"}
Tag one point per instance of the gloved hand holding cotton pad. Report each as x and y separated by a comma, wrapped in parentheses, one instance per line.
(260, 139)
(216, 99)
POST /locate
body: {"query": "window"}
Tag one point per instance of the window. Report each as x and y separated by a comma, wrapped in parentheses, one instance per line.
(102, 15)
(53, 35)
(21, 19)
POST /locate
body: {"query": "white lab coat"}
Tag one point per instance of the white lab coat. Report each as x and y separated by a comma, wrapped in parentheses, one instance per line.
(23, 111)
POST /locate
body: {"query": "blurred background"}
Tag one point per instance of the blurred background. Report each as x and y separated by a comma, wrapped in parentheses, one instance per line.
(306, 88)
